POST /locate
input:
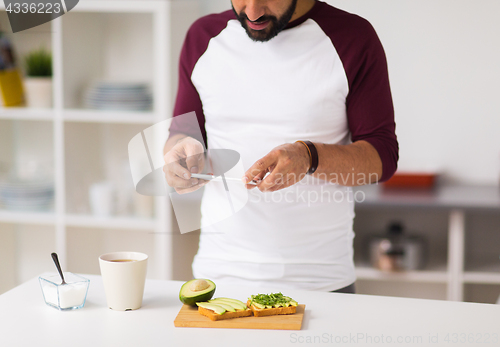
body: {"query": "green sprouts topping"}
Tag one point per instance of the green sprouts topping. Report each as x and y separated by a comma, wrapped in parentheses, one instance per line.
(270, 299)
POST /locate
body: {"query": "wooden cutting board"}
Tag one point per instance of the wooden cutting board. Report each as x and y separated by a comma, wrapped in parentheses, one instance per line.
(189, 317)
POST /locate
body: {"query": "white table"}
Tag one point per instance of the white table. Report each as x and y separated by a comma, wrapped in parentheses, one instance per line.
(330, 320)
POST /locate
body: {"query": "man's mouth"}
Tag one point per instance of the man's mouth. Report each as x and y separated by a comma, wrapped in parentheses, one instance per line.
(260, 25)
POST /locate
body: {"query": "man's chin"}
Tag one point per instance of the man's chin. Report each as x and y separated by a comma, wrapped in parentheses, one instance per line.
(261, 35)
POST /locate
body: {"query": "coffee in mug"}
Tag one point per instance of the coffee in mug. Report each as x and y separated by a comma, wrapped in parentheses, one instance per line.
(121, 260)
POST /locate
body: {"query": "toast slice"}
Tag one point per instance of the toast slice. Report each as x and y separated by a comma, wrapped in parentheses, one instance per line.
(261, 312)
(226, 315)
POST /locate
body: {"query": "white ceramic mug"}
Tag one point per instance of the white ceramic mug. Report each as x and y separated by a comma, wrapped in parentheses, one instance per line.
(124, 281)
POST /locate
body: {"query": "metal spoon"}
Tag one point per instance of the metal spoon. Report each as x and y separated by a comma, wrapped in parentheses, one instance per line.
(56, 261)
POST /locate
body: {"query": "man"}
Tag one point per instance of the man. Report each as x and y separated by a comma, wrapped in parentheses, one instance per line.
(260, 78)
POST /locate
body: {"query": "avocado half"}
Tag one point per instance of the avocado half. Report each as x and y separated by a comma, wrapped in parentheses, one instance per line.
(196, 290)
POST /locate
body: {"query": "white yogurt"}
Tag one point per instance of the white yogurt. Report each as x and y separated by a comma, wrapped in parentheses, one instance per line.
(70, 295)
(64, 296)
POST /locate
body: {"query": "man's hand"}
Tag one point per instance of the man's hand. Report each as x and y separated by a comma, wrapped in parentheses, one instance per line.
(287, 164)
(185, 157)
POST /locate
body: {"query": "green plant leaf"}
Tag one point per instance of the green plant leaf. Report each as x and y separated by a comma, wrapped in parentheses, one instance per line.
(38, 63)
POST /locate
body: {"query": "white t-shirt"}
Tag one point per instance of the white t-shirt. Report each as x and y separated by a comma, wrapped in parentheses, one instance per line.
(253, 97)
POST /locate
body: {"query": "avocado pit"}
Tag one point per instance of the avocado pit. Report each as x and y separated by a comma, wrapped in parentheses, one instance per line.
(199, 285)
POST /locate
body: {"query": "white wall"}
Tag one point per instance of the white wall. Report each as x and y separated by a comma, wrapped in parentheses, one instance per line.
(215, 6)
(444, 67)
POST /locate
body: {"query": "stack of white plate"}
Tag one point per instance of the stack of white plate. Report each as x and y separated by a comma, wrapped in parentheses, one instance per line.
(26, 195)
(119, 96)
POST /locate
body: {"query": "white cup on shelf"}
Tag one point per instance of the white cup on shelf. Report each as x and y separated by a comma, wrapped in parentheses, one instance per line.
(143, 206)
(101, 196)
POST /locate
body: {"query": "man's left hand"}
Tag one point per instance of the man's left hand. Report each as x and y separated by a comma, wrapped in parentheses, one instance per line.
(287, 165)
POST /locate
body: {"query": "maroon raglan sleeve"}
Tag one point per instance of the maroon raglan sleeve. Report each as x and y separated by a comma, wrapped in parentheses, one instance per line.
(188, 99)
(369, 103)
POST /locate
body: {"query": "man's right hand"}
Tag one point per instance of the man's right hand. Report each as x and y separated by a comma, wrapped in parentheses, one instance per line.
(185, 157)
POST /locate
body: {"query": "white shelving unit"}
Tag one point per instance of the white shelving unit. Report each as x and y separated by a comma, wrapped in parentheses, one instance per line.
(99, 40)
(463, 222)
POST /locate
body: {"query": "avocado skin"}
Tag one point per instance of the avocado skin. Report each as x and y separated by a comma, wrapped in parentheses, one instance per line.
(205, 295)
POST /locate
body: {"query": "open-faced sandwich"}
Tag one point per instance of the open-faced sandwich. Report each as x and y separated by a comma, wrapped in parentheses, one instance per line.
(199, 292)
(271, 304)
(223, 308)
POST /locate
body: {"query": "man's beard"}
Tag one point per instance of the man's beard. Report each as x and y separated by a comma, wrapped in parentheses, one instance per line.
(274, 27)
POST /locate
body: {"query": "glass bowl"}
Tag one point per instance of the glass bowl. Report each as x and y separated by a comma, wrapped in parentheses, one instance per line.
(69, 296)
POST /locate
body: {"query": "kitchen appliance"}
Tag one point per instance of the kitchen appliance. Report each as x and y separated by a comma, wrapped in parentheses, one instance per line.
(396, 251)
